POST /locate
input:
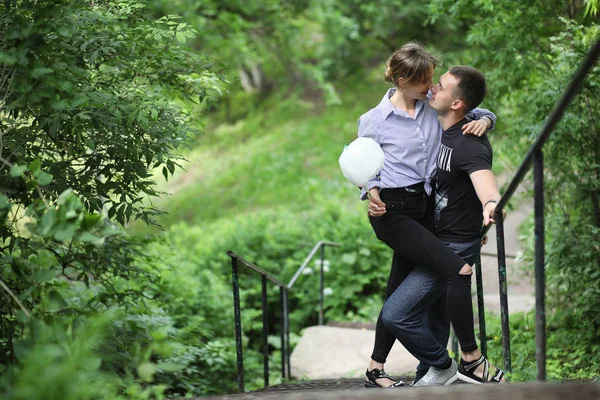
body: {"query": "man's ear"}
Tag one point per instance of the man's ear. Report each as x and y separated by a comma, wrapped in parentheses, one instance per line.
(457, 104)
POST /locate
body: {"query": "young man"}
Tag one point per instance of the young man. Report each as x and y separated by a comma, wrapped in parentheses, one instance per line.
(466, 197)
(467, 191)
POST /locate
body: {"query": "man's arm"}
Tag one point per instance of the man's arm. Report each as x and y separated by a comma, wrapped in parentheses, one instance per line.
(487, 191)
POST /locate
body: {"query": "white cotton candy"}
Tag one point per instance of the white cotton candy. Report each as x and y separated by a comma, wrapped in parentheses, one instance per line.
(361, 160)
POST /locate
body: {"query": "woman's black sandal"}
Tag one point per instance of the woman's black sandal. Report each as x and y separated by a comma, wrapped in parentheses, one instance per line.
(466, 372)
(375, 374)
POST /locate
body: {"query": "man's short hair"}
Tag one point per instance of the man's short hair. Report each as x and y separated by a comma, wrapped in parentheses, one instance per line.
(471, 88)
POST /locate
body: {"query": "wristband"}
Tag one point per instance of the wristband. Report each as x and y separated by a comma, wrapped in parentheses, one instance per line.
(489, 201)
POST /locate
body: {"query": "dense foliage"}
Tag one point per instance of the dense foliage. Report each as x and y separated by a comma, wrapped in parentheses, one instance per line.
(549, 50)
(87, 110)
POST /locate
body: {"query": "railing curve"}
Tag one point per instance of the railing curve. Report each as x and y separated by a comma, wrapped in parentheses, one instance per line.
(284, 289)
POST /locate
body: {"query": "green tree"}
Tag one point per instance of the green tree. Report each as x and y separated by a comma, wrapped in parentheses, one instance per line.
(89, 96)
(529, 65)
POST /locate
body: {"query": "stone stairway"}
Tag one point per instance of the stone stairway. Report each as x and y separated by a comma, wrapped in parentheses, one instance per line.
(351, 389)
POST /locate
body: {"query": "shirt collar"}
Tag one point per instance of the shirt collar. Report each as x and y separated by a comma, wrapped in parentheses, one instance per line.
(386, 107)
(456, 127)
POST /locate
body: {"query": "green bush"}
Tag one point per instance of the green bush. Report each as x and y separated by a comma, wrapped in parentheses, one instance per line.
(197, 281)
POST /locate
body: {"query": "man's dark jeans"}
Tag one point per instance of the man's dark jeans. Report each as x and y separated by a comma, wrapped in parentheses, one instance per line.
(437, 316)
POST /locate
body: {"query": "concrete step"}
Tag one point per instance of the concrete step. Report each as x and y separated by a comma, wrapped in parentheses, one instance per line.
(329, 352)
(352, 390)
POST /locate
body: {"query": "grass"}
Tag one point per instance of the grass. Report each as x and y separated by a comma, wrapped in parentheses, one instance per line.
(282, 154)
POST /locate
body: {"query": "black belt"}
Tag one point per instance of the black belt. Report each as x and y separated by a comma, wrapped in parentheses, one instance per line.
(417, 188)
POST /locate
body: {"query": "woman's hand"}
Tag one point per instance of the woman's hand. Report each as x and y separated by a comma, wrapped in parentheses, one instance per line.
(376, 206)
(477, 127)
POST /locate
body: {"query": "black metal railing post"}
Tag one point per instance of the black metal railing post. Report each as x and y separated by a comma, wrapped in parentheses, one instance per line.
(322, 284)
(286, 326)
(238, 323)
(480, 307)
(265, 312)
(285, 312)
(282, 294)
(534, 154)
(499, 217)
(540, 283)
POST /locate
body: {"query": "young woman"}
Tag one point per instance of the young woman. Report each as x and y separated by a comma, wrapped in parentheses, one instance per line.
(409, 133)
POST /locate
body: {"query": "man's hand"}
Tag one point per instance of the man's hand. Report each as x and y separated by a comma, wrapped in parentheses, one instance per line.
(488, 213)
(376, 206)
(477, 127)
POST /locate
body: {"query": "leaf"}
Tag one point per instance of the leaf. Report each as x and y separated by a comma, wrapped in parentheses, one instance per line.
(149, 157)
(90, 220)
(66, 233)
(131, 118)
(17, 170)
(88, 237)
(171, 166)
(47, 222)
(21, 316)
(349, 258)
(143, 121)
(21, 349)
(4, 204)
(181, 38)
(65, 31)
(64, 196)
(43, 275)
(170, 367)
(39, 72)
(44, 178)
(79, 100)
(57, 300)
(146, 371)
(91, 363)
(35, 166)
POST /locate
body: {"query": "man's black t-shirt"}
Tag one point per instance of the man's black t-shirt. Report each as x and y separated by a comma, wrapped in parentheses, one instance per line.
(458, 211)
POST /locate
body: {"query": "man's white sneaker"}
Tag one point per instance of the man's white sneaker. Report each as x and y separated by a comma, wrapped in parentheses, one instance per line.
(439, 377)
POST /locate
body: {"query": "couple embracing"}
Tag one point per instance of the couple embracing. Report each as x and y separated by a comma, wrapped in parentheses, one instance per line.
(428, 203)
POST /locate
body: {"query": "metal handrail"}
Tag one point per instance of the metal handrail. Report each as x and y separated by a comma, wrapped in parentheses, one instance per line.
(308, 258)
(535, 156)
(283, 294)
(321, 244)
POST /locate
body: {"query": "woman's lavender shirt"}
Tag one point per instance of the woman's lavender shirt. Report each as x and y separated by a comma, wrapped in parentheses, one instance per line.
(410, 145)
